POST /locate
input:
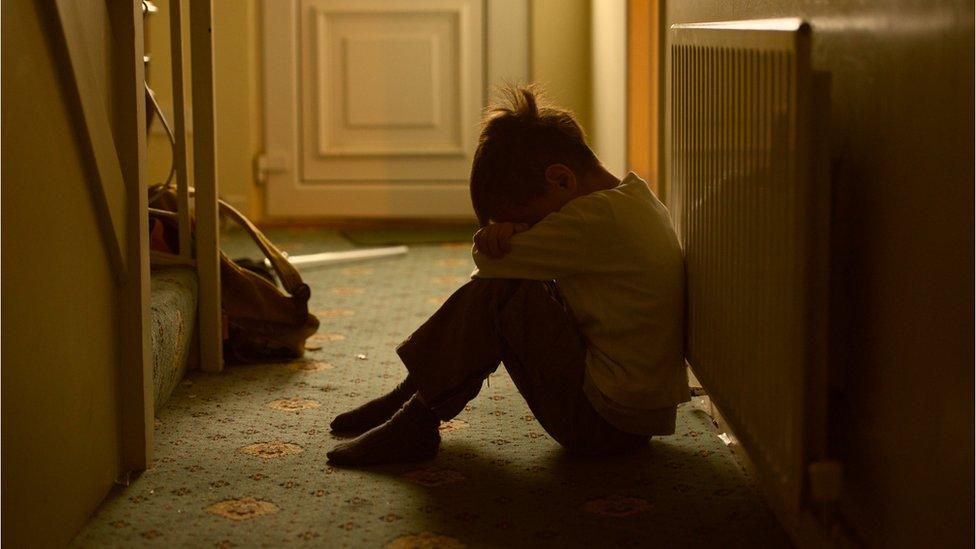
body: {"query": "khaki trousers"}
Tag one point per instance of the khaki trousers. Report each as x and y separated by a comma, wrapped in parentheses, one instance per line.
(525, 325)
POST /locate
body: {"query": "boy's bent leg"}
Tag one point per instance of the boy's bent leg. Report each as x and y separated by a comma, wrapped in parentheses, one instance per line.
(455, 329)
(410, 435)
(525, 324)
(375, 412)
(447, 358)
(451, 353)
(545, 354)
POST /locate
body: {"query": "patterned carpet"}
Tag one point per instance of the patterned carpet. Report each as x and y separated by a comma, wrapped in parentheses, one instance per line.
(240, 456)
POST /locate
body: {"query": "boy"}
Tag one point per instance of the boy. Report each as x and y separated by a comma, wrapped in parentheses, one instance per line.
(579, 291)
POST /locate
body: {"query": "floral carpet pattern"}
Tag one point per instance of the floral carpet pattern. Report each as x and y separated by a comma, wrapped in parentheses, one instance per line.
(240, 455)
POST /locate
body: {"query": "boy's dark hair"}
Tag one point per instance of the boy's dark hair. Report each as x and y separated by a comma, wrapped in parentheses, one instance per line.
(520, 137)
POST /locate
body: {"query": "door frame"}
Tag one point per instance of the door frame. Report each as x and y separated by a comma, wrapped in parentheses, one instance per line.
(505, 58)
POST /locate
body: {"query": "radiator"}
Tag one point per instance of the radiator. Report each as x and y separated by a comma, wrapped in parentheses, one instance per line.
(751, 213)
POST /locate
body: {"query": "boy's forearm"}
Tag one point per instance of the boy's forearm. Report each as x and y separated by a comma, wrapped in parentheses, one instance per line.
(550, 249)
(529, 261)
(510, 267)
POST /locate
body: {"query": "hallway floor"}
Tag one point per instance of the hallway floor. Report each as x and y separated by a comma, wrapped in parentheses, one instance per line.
(240, 456)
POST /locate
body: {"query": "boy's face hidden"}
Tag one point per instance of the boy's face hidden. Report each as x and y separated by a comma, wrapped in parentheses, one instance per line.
(562, 185)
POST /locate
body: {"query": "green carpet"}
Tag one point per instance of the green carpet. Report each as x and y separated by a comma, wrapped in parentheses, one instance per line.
(240, 456)
(173, 311)
(394, 237)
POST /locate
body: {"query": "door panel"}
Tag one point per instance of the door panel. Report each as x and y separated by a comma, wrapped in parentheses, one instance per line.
(390, 93)
(372, 106)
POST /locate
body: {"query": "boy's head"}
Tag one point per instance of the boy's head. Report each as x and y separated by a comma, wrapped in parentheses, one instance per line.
(532, 158)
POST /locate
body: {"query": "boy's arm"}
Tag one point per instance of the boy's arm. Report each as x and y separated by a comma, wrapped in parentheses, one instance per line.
(494, 240)
(551, 249)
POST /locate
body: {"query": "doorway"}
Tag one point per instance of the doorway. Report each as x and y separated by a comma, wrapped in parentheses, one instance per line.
(372, 106)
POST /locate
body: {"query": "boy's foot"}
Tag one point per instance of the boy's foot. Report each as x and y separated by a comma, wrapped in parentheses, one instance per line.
(410, 435)
(374, 412)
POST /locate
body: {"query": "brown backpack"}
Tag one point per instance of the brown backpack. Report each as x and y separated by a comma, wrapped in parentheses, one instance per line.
(261, 323)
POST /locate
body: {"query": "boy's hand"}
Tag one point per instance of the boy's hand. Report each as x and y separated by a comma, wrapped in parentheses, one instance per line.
(493, 240)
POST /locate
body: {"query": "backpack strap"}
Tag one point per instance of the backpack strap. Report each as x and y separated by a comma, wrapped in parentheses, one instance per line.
(287, 273)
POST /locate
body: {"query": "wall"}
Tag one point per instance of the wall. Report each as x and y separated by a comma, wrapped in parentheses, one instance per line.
(158, 74)
(560, 56)
(237, 92)
(237, 97)
(609, 84)
(60, 441)
(902, 143)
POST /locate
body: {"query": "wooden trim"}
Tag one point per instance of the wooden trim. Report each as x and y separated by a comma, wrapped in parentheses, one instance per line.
(661, 87)
(643, 101)
(106, 176)
(118, 170)
(134, 321)
(205, 184)
(176, 38)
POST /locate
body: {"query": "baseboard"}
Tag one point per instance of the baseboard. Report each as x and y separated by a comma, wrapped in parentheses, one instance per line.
(805, 530)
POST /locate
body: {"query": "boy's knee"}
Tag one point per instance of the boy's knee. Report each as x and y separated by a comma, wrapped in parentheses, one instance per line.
(501, 290)
(498, 284)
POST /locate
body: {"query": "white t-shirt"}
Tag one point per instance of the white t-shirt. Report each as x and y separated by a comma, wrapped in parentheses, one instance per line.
(617, 262)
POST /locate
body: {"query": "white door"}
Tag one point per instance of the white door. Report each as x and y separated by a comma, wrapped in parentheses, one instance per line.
(372, 106)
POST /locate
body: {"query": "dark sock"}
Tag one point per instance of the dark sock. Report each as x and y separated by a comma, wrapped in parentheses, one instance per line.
(410, 435)
(374, 412)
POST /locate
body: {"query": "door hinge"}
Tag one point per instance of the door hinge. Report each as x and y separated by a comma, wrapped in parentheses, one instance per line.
(268, 163)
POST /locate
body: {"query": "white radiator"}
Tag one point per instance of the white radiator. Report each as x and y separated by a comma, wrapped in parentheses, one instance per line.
(751, 213)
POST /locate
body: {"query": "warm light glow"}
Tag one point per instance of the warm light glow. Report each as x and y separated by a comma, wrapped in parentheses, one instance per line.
(789, 24)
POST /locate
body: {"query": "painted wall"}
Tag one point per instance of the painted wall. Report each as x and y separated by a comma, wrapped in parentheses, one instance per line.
(158, 75)
(609, 84)
(902, 140)
(237, 97)
(59, 377)
(560, 57)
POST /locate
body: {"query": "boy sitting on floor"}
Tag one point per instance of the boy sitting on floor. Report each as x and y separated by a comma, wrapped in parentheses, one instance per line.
(579, 291)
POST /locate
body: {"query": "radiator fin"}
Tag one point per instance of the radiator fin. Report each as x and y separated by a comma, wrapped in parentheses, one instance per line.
(739, 188)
